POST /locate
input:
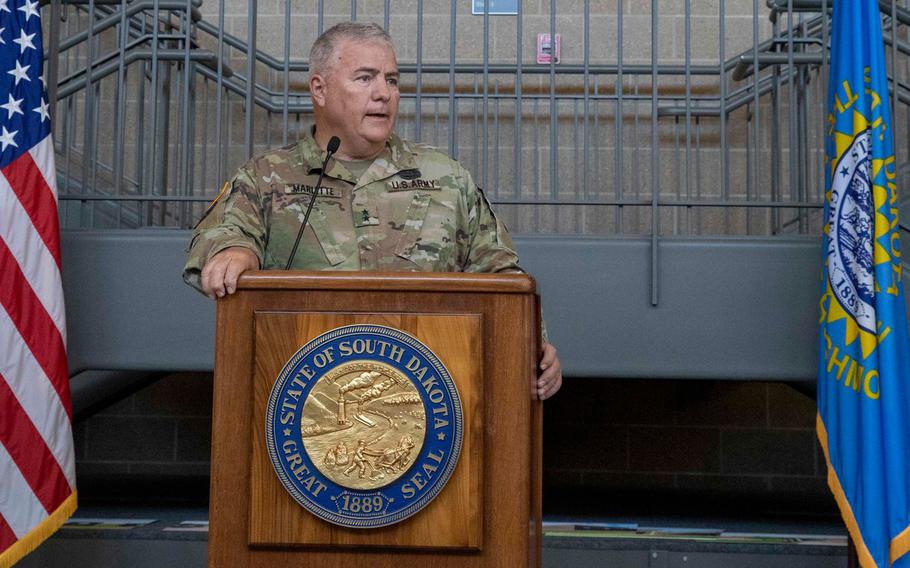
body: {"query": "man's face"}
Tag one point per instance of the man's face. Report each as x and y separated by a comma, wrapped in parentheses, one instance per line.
(357, 99)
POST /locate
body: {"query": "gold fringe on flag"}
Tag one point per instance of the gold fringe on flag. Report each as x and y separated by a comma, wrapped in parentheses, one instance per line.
(862, 551)
(900, 545)
(39, 534)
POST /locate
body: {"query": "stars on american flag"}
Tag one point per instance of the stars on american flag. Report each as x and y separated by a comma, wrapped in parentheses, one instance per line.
(42, 111)
(20, 72)
(24, 111)
(13, 106)
(6, 139)
(30, 9)
(25, 41)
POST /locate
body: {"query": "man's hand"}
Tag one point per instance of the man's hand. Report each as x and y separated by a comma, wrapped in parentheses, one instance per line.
(220, 273)
(550, 378)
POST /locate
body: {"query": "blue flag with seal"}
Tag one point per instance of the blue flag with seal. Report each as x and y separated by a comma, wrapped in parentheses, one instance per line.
(864, 365)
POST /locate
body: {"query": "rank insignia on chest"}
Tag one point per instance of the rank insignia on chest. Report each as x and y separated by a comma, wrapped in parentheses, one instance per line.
(364, 218)
(364, 426)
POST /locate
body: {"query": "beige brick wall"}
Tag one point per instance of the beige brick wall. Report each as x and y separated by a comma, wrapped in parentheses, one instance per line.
(585, 144)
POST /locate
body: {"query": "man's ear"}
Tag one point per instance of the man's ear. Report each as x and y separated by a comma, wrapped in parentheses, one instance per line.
(317, 89)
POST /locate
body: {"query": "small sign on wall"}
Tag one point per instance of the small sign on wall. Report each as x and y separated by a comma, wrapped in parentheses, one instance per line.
(545, 48)
(497, 7)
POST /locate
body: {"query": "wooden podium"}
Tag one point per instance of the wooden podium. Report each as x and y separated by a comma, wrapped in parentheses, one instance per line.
(483, 328)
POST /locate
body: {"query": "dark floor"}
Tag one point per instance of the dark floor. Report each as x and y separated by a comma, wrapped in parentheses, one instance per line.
(170, 530)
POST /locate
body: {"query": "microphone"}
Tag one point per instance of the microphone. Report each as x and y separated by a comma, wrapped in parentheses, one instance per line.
(331, 148)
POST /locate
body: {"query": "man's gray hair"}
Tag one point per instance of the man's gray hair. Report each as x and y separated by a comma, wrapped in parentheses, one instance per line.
(326, 44)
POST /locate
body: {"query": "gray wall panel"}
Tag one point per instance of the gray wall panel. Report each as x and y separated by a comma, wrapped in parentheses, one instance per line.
(127, 307)
(728, 308)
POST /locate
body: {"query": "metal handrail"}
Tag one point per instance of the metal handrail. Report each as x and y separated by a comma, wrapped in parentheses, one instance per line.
(663, 202)
(781, 6)
(76, 82)
(132, 9)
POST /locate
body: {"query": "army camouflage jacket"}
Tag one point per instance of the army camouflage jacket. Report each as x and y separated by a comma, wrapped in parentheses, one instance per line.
(414, 209)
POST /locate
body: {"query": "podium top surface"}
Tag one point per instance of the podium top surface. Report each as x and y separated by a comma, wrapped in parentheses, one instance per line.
(506, 283)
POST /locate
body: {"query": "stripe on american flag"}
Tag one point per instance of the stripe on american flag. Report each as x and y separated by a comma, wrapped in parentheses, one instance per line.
(40, 203)
(23, 511)
(26, 447)
(31, 253)
(36, 395)
(33, 323)
(7, 536)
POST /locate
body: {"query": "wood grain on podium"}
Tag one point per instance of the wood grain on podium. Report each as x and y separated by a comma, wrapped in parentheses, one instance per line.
(502, 420)
(453, 518)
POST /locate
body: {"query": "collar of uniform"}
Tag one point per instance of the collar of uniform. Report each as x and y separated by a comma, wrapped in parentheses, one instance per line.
(403, 157)
(312, 156)
(397, 156)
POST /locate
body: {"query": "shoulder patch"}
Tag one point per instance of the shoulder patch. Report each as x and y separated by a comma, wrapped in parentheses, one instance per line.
(211, 206)
(224, 189)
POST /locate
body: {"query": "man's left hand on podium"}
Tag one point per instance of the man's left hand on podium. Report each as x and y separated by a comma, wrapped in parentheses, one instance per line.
(550, 378)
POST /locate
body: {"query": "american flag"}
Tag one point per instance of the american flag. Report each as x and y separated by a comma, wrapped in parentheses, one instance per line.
(37, 469)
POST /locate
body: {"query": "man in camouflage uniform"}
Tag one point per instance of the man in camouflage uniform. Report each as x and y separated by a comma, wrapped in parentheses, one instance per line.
(384, 204)
(408, 211)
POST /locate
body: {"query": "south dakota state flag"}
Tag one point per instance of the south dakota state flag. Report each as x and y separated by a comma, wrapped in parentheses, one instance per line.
(864, 370)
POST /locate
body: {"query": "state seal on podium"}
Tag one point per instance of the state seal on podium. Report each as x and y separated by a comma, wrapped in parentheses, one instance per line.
(364, 426)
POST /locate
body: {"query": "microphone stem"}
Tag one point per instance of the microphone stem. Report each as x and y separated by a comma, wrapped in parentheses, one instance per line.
(309, 210)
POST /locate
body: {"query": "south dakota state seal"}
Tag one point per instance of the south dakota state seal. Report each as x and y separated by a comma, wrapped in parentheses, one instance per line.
(850, 258)
(364, 426)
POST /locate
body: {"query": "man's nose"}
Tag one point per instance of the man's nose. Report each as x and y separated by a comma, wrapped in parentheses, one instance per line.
(382, 91)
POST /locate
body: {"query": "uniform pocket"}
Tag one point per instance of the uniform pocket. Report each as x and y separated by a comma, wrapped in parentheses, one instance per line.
(287, 215)
(326, 237)
(413, 225)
